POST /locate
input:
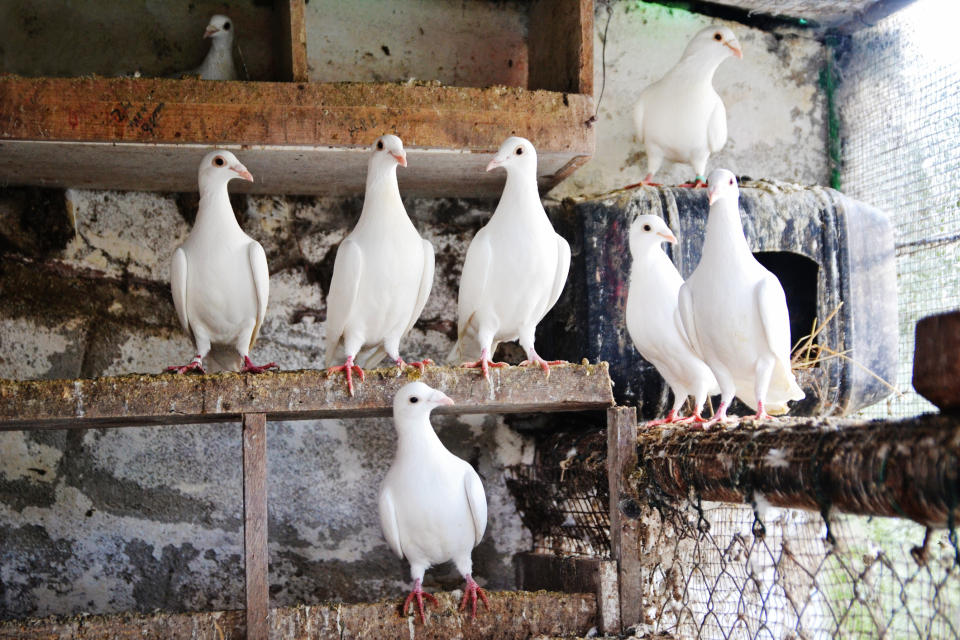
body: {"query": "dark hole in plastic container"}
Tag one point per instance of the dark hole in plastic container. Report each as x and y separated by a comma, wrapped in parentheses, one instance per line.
(798, 276)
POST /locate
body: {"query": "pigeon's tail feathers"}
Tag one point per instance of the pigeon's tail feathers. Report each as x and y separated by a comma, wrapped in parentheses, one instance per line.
(456, 354)
(223, 358)
(261, 284)
(638, 119)
(371, 357)
(388, 521)
(178, 286)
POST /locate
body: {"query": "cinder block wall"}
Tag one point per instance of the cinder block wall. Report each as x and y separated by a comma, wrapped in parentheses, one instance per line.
(115, 520)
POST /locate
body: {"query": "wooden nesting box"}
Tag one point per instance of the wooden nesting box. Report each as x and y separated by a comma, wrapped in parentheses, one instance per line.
(830, 252)
(300, 137)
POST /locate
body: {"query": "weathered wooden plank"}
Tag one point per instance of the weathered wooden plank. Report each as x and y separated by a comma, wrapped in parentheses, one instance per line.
(137, 400)
(256, 558)
(561, 46)
(624, 531)
(296, 138)
(293, 39)
(512, 616)
(936, 360)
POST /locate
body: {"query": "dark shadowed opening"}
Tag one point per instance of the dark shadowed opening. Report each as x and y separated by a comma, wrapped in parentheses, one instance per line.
(798, 276)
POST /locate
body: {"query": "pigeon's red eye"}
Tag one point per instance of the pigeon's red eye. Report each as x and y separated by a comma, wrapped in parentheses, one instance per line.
(731, 180)
(414, 400)
(218, 161)
(379, 144)
(717, 37)
(519, 151)
(647, 227)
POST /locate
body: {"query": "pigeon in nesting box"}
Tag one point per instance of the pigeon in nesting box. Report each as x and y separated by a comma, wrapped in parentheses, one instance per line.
(432, 505)
(735, 312)
(514, 270)
(219, 276)
(680, 117)
(382, 274)
(653, 320)
(218, 65)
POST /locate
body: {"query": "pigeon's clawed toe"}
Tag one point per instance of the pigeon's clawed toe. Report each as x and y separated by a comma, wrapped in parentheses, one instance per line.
(484, 364)
(470, 594)
(349, 368)
(535, 360)
(194, 365)
(249, 367)
(418, 594)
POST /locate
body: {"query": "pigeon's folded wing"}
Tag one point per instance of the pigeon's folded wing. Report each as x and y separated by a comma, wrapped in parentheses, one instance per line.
(477, 500)
(687, 325)
(261, 283)
(772, 307)
(178, 285)
(473, 280)
(347, 270)
(717, 127)
(388, 521)
(560, 276)
(426, 283)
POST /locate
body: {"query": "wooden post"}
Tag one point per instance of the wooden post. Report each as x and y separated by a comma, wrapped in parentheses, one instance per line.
(255, 523)
(293, 36)
(624, 531)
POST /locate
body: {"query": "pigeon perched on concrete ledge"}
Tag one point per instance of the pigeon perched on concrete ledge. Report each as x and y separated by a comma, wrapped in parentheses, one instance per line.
(219, 276)
(432, 504)
(735, 312)
(680, 117)
(653, 320)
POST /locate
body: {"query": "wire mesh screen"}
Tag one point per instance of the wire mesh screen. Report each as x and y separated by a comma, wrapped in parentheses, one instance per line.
(899, 102)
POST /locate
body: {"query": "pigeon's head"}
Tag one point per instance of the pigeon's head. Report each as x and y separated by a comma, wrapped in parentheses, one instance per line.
(219, 29)
(515, 154)
(722, 184)
(388, 152)
(649, 231)
(221, 166)
(415, 401)
(715, 41)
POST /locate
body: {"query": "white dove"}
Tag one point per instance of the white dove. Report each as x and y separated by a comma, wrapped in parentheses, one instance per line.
(515, 267)
(432, 505)
(218, 65)
(219, 276)
(653, 320)
(735, 312)
(680, 117)
(382, 274)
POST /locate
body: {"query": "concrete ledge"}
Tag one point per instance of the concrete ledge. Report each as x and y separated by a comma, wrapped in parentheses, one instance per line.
(512, 615)
(139, 400)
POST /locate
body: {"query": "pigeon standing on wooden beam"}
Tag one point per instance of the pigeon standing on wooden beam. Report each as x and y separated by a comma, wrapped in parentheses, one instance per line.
(735, 312)
(681, 117)
(218, 64)
(515, 268)
(219, 276)
(382, 274)
(653, 320)
(432, 504)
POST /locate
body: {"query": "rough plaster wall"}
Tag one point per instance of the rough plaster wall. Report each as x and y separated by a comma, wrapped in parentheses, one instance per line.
(114, 520)
(776, 112)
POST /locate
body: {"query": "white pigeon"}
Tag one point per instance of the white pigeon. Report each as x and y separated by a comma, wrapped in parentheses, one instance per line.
(515, 267)
(218, 65)
(382, 274)
(680, 117)
(735, 312)
(653, 320)
(432, 505)
(219, 276)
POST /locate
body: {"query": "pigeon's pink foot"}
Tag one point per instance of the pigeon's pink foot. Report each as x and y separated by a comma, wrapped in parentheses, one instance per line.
(540, 362)
(696, 419)
(670, 419)
(470, 593)
(484, 364)
(646, 182)
(719, 418)
(418, 594)
(761, 413)
(195, 365)
(421, 365)
(249, 367)
(349, 368)
(699, 182)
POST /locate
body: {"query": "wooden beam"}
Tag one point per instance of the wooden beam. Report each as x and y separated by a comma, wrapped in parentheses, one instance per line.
(624, 531)
(561, 46)
(512, 616)
(936, 360)
(293, 39)
(296, 138)
(255, 552)
(139, 400)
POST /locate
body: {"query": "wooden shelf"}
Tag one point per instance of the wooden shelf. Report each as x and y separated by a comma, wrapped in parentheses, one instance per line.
(296, 138)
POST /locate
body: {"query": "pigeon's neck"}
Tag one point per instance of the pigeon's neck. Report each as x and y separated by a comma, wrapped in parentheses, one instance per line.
(724, 237)
(382, 194)
(521, 189)
(215, 210)
(417, 440)
(698, 66)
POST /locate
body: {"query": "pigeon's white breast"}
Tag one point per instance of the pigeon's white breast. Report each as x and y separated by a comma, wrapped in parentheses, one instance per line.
(675, 117)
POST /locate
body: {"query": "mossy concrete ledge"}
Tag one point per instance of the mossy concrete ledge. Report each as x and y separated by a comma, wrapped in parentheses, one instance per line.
(139, 400)
(512, 615)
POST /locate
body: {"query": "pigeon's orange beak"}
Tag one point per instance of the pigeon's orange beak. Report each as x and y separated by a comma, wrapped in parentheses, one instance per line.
(441, 398)
(210, 31)
(711, 196)
(493, 164)
(669, 237)
(242, 172)
(736, 50)
(400, 157)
